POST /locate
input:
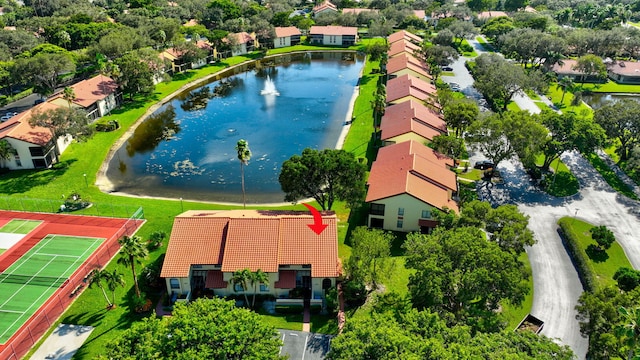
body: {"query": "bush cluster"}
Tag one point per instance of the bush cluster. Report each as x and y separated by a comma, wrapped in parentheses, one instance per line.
(579, 257)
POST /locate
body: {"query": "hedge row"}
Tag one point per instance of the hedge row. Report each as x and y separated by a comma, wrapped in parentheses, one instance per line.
(578, 256)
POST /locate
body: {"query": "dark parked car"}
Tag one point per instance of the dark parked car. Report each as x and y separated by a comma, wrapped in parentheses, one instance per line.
(483, 165)
(38, 101)
(447, 68)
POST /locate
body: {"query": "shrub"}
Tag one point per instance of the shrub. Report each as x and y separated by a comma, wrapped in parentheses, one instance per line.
(465, 48)
(603, 236)
(289, 309)
(331, 298)
(579, 257)
(355, 293)
(628, 279)
(106, 126)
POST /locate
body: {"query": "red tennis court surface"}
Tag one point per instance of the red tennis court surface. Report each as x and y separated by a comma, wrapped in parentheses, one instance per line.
(74, 225)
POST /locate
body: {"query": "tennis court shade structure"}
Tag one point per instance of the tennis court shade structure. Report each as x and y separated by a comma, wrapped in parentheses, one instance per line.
(30, 281)
(45, 270)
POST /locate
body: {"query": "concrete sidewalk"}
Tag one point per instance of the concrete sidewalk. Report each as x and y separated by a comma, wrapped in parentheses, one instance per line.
(63, 343)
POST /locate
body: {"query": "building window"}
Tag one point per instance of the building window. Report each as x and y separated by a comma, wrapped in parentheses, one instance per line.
(36, 151)
(400, 211)
(175, 283)
(426, 214)
(377, 209)
(264, 287)
(18, 163)
(238, 287)
(399, 224)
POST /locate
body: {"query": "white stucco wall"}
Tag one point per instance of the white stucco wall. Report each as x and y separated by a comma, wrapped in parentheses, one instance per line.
(332, 39)
(412, 212)
(282, 42)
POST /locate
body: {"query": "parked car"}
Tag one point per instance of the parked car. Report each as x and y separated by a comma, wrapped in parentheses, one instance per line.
(483, 165)
(447, 68)
(38, 101)
(454, 86)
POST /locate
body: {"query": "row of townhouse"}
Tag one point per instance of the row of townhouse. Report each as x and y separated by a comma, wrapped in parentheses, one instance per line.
(622, 72)
(409, 181)
(34, 147)
(317, 35)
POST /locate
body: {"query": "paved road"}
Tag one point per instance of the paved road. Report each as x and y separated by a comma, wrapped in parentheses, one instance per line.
(20, 105)
(300, 345)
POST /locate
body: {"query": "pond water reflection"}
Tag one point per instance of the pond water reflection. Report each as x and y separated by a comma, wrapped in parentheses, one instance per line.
(597, 100)
(187, 148)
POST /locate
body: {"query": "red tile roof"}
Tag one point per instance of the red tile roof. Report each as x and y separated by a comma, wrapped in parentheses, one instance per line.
(491, 14)
(408, 85)
(406, 61)
(333, 30)
(92, 90)
(412, 110)
(326, 5)
(420, 14)
(18, 126)
(625, 68)
(287, 31)
(404, 35)
(567, 68)
(241, 37)
(399, 47)
(239, 239)
(400, 169)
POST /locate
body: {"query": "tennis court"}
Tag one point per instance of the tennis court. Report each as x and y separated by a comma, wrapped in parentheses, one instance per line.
(32, 279)
(14, 231)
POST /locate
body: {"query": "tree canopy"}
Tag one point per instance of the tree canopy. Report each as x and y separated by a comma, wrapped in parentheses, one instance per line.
(370, 259)
(202, 329)
(621, 120)
(325, 175)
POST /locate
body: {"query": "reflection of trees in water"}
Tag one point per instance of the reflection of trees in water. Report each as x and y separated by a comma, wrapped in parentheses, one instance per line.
(270, 71)
(152, 131)
(196, 100)
(225, 86)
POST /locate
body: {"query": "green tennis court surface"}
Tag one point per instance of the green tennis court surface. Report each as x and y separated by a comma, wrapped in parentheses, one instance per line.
(33, 278)
(17, 226)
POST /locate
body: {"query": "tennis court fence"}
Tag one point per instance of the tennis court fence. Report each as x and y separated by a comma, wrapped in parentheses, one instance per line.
(29, 334)
(53, 206)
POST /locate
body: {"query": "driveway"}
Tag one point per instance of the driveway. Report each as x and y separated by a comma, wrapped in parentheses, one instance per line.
(300, 345)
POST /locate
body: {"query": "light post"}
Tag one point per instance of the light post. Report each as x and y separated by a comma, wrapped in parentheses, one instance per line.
(86, 184)
(181, 206)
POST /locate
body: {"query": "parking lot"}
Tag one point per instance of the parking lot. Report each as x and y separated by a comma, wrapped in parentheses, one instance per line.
(299, 345)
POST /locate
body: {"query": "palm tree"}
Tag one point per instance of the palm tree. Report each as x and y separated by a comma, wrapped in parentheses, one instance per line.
(114, 279)
(132, 249)
(241, 277)
(629, 331)
(6, 151)
(566, 84)
(258, 277)
(69, 94)
(97, 278)
(244, 154)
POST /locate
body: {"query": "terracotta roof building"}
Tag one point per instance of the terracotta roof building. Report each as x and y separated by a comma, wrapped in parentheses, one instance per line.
(206, 247)
(403, 46)
(325, 6)
(485, 15)
(404, 35)
(33, 147)
(410, 120)
(407, 64)
(286, 36)
(97, 96)
(407, 184)
(408, 87)
(567, 68)
(333, 35)
(625, 72)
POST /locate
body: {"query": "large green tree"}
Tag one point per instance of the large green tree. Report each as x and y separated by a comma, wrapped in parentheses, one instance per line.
(136, 76)
(508, 228)
(202, 329)
(6, 151)
(132, 251)
(489, 135)
(61, 122)
(591, 65)
(448, 145)
(462, 275)
(370, 259)
(460, 114)
(621, 120)
(44, 71)
(325, 175)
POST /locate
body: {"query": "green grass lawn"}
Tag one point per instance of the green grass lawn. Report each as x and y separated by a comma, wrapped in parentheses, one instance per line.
(447, 73)
(612, 179)
(86, 158)
(512, 106)
(542, 106)
(514, 314)
(603, 264)
(487, 46)
(466, 53)
(565, 105)
(610, 87)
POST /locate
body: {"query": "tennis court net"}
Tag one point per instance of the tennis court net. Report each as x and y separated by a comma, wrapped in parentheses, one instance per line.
(47, 281)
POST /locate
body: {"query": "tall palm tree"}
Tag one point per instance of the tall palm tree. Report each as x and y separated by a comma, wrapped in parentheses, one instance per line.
(241, 277)
(98, 277)
(566, 84)
(258, 277)
(132, 249)
(6, 151)
(629, 331)
(244, 154)
(69, 94)
(113, 280)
